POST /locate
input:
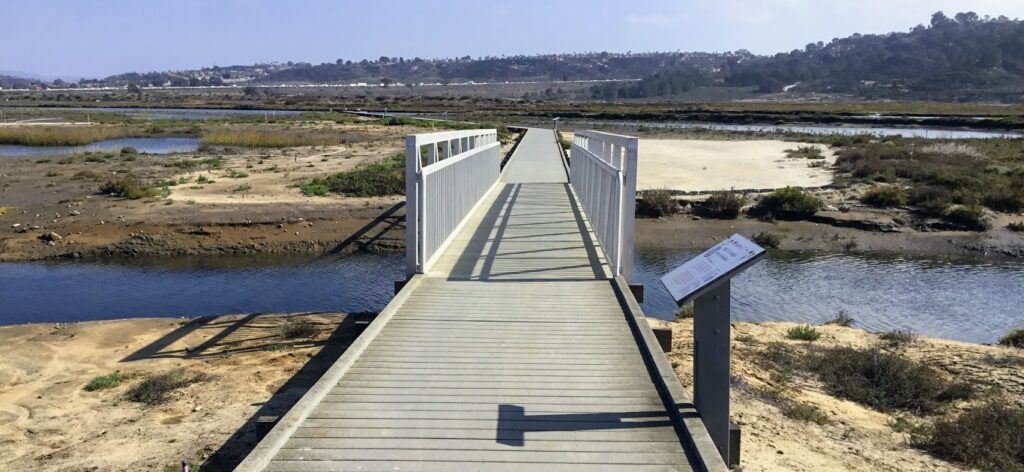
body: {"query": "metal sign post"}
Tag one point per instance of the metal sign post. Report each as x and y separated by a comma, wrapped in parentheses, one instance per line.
(705, 280)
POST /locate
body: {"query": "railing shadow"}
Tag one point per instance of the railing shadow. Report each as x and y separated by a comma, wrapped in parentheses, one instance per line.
(386, 221)
(514, 423)
(237, 447)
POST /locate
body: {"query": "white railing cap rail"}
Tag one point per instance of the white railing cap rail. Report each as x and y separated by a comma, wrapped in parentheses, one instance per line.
(617, 139)
(442, 136)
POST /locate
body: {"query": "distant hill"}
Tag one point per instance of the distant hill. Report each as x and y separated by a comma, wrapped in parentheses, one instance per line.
(961, 56)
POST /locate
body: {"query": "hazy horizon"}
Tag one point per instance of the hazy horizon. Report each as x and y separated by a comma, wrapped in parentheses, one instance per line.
(106, 37)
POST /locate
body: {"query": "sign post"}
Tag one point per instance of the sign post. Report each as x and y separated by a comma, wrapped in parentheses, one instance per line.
(705, 280)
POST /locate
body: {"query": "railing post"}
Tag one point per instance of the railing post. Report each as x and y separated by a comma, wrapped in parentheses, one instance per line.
(412, 213)
(629, 207)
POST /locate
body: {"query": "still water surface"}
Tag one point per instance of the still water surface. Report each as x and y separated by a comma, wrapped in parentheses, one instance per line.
(146, 145)
(967, 299)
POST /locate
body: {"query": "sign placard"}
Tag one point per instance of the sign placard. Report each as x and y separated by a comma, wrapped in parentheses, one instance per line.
(718, 263)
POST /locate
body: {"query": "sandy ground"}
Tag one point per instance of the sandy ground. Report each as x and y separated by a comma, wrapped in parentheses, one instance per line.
(48, 422)
(857, 438)
(705, 165)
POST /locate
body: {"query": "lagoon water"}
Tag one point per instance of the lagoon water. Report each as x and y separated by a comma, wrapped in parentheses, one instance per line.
(967, 299)
(145, 145)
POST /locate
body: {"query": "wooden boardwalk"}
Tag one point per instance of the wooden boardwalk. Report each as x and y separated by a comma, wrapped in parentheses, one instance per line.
(514, 352)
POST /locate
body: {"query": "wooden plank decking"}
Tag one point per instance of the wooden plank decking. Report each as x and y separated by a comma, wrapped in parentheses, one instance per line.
(512, 353)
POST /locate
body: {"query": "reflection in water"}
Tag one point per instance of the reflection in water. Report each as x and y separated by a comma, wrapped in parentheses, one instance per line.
(968, 299)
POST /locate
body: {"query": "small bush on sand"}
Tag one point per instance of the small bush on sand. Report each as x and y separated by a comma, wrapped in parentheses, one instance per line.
(129, 150)
(807, 413)
(883, 380)
(805, 152)
(842, 319)
(970, 218)
(157, 389)
(885, 196)
(313, 189)
(931, 200)
(986, 437)
(1015, 338)
(685, 312)
(898, 337)
(656, 204)
(766, 239)
(790, 203)
(130, 188)
(87, 175)
(104, 382)
(1016, 226)
(374, 179)
(724, 205)
(299, 329)
(803, 333)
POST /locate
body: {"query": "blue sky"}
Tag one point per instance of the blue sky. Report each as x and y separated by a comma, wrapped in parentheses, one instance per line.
(103, 37)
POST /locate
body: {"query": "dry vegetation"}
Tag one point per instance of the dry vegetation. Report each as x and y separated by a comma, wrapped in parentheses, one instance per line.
(61, 135)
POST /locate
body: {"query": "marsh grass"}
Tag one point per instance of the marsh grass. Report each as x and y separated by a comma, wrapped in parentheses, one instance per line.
(371, 179)
(656, 204)
(269, 138)
(131, 188)
(60, 135)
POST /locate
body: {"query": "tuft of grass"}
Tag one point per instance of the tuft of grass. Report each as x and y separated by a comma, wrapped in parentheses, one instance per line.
(60, 135)
(805, 152)
(157, 389)
(87, 175)
(130, 188)
(104, 382)
(807, 413)
(299, 329)
(767, 239)
(373, 179)
(970, 218)
(237, 174)
(842, 319)
(885, 196)
(656, 204)
(1015, 338)
(790, 203)
(242, 188)
(989, 436)
(724, 205)
(203, 179)
(266, 138)
(803, 333)
(129, 150)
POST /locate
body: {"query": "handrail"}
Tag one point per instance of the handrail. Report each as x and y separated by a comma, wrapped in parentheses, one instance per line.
(602, 170)
(446, 175)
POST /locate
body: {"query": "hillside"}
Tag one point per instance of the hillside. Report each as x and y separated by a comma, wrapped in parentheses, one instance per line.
(958, 57)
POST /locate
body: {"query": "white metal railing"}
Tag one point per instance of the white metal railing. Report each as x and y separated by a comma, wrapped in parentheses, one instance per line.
(446, 176)
(602, 170)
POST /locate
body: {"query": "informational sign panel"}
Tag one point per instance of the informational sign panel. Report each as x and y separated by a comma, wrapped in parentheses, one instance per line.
(717, 263)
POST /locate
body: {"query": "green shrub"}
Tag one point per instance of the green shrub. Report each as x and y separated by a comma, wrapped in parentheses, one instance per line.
(656, 204)
(986, 437)
(374, 179)
(803, 333)
(931, 200)
(313, 190)
(723, 204)
(885, 196)
(237, 174)
(156, 389)
(879, 379)
(790, 203)
(969, 218)
(104, 382)
(129, 150)
(130, 188)
(242, 188)
(1015, 338)
(766, 239)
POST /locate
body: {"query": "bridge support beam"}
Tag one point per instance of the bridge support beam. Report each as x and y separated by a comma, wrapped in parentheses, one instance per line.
(711, 356)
